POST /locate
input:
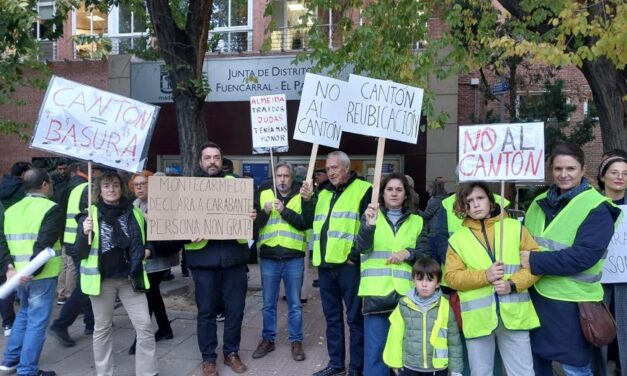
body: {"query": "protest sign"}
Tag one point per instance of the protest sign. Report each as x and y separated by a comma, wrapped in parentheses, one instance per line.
(382, 109)
(321, 110)
(493, 152)
(183, 208)
(268, 115)
(91, 124)
(42, 257)
(615, 268)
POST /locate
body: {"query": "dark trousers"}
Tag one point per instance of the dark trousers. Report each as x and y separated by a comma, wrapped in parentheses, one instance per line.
(184, 269)
(6, 305)
(155, 301)
(75, 304)
(337, 285)
(217, 288)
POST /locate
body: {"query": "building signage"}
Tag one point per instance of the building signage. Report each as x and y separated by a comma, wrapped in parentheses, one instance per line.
(230, 79)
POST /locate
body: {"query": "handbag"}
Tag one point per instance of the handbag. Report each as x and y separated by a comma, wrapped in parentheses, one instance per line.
(597, 324)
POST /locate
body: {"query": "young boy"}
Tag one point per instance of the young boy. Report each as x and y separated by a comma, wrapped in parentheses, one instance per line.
(424, 309)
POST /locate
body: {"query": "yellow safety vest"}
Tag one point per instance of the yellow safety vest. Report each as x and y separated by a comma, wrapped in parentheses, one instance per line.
(343, 222)
(560, 234)
(398, 349)
(73, 208)
(90, 273)
(22, 222)
(454, 223)
(378, 278)
(277, 232)
(478, 306)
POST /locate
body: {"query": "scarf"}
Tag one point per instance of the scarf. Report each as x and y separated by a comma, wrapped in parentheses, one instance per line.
(557, 201)
(424, 303)
(114, 232)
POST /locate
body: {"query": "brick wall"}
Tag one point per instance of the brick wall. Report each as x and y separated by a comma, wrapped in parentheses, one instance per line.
(93, 73)
(474, 104)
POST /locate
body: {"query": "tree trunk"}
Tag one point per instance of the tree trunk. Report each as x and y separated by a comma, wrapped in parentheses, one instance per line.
(609, 87)
(191, 129)
(183, 50)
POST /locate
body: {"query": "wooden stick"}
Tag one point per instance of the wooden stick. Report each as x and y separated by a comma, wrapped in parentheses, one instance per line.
(273, 177)
(500, 255)
(89, 198)
(312, 164)
(376, 182)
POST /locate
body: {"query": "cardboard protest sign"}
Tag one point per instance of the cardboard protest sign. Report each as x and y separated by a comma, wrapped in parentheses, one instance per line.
(92, 124)
(383, 109)
(320, 114)
(615, 268)
(493, 152)
(183, 208)
(268, 115)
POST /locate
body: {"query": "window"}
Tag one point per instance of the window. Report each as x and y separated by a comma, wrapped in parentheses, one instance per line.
(45, 12)
(90, 26)
(126, 28)
(230, 28)
(290, 30)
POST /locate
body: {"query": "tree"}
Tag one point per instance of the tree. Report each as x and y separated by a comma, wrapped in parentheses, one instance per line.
(18, 50)
(181, 28)
(589, 34)
(380, 37)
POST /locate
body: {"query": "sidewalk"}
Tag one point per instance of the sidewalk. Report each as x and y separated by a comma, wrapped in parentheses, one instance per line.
(180, 355)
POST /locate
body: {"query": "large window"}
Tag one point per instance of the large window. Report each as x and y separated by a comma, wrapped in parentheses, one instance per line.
(45, 12)
(230, 29)
(90, 26)
(290, 26)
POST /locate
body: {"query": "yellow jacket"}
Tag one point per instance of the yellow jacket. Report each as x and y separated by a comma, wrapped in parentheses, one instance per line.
(459, 278)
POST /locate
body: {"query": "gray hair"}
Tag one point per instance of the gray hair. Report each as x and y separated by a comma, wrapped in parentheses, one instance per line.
(341, 156)
(285, 164)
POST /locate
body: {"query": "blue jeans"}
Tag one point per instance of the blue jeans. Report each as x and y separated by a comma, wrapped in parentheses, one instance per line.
(376, 329)
(29, 329)
(291, 272)
(577, 371)
(337, 285)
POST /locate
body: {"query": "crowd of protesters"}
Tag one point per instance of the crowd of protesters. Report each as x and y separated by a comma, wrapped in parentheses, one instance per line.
(459, 288)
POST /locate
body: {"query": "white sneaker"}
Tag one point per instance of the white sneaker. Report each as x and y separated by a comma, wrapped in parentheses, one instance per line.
(7, 330)
(7, 370)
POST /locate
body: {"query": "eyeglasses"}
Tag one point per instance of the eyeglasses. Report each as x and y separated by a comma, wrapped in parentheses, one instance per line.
(616, 173)
(137, 185)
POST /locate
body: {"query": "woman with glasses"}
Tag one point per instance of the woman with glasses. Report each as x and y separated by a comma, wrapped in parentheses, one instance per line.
(612, 179)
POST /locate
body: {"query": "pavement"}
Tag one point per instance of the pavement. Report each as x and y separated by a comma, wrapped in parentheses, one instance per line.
(180, 355)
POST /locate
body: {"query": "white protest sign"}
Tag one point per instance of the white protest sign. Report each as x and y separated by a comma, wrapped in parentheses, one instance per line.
(92, 124)
(382, 109)
(42, 257)
(268, 115)
(615, 268)
(321, 109)
(492, 152)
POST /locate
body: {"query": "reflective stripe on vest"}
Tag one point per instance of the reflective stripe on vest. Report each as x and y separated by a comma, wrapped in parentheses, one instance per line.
(90, 273)
(277, 232)
(73, 208)
(478, 306)
(343, 222)
(454, 223)
(22, 222)
(439, 336)
(560, 234)
(378, 278)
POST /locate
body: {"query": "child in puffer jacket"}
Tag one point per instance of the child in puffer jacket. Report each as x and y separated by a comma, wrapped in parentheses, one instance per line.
(424, 309)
